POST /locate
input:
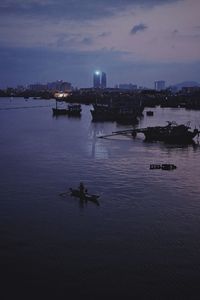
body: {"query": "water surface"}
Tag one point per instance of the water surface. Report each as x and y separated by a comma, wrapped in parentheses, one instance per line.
(141, 242)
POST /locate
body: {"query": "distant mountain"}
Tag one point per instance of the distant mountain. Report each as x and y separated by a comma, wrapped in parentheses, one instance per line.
(180, 85)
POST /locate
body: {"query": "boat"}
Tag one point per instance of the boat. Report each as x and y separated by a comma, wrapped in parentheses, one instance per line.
(163, 166)
(124, 112)
(59, 111)
(149, 113)
(171, 133)
(84, 196)
(74, 109)
(126, 115)
(103, 112)
(71, 110)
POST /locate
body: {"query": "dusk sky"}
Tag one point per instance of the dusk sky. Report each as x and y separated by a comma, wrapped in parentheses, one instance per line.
(133, 41)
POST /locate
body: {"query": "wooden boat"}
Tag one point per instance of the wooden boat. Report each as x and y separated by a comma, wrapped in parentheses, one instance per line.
(171, 133)
(163, 166)
(124, 112)
(103, 112)
(74, 110)
(71, 110)
(59, 111)
(84, 196)
(149, 113)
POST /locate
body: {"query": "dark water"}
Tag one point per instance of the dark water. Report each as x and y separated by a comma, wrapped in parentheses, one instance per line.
(142, 242)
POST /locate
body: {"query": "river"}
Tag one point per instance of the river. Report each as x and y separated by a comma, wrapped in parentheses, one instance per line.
(142, 242)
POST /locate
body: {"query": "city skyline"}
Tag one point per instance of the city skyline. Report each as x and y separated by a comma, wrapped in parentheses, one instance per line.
(133, 42)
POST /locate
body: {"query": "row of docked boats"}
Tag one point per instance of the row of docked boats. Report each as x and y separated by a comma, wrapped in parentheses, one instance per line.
(124, 112)
(128, 113)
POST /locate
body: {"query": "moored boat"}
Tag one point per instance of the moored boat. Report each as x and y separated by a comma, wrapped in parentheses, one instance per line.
(171, 133)
(125, 112)
(71, 110)
(59, 111)
(74, 109)
(163, 166)
(149, 113)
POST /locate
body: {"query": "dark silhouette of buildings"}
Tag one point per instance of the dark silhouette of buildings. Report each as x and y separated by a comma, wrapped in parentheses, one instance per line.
(159, 85)
(103, 80)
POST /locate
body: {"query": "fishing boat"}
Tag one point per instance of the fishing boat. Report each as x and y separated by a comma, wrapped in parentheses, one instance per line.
(117, 111)
(58, 110)
(84, 196)
(74, 109)
(103, 112)
(71, 110)
(171, 133)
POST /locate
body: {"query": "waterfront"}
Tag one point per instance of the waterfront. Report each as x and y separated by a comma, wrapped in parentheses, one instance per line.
(143, 239)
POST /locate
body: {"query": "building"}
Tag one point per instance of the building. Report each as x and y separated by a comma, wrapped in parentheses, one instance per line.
(59, 85)
(103, 80)
(159, 85)
(38, 87)
(97, 80)
(127, 86)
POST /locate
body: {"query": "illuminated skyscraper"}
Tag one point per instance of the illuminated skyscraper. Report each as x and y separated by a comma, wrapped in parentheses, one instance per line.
(103, 80)
(96, 80)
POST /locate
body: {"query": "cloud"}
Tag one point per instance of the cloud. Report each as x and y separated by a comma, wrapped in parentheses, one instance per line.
(87, 41)
(28, 65)
(104, 34)
(175, 31)
(73, 9)
(138, 28)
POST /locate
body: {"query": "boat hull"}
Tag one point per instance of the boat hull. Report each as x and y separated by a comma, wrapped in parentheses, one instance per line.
(70, 111)
(168, 138)
(59, 111)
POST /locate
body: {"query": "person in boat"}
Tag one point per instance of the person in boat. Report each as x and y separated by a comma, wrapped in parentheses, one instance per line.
(82, 190)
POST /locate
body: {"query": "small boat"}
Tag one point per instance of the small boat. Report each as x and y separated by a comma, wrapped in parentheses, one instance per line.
(163, 166)
(85, 196)
(168, 167)
(149, 113)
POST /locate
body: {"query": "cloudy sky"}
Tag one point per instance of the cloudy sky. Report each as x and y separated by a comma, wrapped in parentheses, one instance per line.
(133, 41)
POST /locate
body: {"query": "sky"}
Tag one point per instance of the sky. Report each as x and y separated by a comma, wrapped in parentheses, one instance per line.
(133, 41)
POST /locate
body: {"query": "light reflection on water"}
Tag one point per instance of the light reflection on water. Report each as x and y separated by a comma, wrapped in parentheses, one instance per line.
(144, 234)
